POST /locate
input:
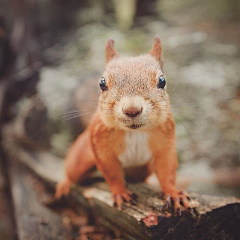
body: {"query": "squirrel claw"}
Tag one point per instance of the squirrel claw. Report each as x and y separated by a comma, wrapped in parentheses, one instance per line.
(119, 206)
(167, 204)
(62, 188)
(131, 194)
(120, 199)
(118, 202)
(185, 195)
(179, 200)
(133, 202)
(178, 212)
(191, 212)
(188, 198)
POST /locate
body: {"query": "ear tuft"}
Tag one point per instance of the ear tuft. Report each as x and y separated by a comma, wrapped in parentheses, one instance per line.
(110, 52)
(156, 51)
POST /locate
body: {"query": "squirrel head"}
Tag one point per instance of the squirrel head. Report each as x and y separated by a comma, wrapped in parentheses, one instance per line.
(134, 92)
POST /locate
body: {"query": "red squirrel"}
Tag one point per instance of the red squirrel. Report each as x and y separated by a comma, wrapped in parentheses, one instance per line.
(132, 131)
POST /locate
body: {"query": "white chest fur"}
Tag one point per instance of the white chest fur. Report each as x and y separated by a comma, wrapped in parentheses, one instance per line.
(137, 151)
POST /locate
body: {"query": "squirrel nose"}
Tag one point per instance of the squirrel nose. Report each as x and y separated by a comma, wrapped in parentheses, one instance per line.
(132, 111)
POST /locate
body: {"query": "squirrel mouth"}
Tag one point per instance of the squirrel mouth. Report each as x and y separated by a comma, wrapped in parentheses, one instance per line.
(134, 126)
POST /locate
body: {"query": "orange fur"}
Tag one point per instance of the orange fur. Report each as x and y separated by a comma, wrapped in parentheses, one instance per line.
(131, 89)
(110, 52)
(157, 49)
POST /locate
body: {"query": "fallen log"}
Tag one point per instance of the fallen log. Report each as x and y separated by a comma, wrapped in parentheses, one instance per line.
(215, 218)
(33, 220)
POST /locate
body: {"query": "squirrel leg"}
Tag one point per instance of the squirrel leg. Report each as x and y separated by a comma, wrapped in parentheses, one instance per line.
(165, 165)
(74, 176)
(80, 161)
(107, 144)
(113, 174)
(163, 145)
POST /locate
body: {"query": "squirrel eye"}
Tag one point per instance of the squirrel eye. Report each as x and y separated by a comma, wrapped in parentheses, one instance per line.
(161, 82)
(102, 84)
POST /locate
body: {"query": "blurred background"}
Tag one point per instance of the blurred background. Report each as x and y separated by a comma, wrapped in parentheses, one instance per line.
(52, 57)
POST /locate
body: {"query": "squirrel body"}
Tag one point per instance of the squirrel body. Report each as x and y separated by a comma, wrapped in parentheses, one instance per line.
(132, 131)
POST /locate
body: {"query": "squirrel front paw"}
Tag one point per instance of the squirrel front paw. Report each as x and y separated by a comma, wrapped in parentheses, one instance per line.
(179, 200)
(120, 199)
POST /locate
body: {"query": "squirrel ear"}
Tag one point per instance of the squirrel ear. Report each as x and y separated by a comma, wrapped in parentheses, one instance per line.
(156, 51)
(110, 52)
